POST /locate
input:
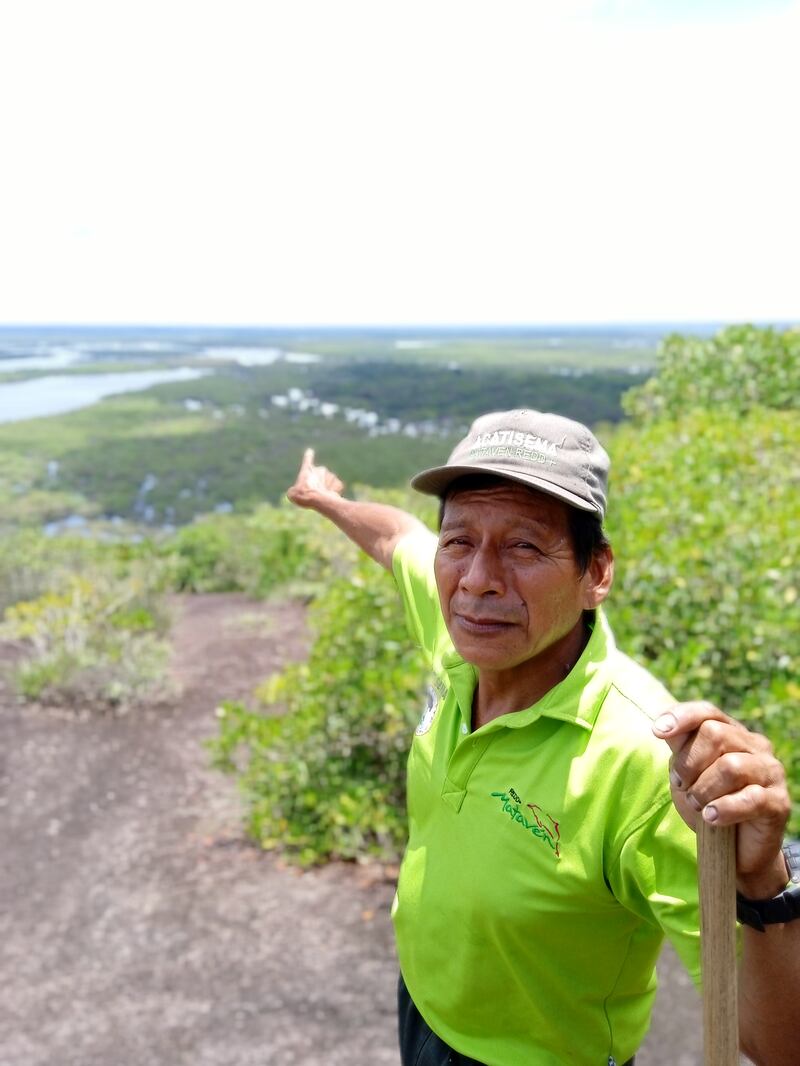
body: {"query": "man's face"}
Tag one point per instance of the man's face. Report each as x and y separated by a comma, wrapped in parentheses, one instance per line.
(508, 583)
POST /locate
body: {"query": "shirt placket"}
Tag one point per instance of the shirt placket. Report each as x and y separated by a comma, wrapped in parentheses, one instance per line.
(470, 747)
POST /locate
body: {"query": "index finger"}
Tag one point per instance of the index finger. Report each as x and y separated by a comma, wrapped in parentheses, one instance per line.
(308, 461)
(675, 724)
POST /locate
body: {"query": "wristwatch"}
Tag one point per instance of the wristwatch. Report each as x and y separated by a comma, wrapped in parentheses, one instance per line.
(759, 913)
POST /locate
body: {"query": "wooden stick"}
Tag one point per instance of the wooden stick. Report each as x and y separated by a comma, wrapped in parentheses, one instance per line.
(716, 865)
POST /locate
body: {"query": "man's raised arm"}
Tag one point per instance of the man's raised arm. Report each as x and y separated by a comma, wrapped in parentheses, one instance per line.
(375, 527)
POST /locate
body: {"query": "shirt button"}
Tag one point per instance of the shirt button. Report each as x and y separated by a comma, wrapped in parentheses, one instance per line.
(463, 727)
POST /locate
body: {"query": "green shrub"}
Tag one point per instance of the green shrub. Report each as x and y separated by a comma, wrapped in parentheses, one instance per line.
(256, 554)
(743, 367)
(95, 641)
(31, 562)
(323, 769)
(327, 778)
(703, 519)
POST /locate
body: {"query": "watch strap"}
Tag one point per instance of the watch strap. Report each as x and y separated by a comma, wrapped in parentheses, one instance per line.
(759, 913)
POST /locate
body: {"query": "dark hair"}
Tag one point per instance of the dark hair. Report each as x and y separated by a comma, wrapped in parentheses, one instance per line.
(585, 527)
(588, 536)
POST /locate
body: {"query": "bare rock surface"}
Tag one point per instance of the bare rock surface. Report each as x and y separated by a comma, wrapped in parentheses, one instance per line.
(139, 928)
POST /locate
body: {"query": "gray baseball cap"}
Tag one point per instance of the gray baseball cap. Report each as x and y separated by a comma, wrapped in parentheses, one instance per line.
(548, 452)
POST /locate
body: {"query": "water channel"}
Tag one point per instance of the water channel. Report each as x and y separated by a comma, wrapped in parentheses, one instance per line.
(58, 393)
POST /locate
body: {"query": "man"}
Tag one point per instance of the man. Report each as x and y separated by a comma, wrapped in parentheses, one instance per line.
(549, 843)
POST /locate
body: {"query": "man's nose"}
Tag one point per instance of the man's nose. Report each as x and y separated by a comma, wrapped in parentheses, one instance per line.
(482, 574)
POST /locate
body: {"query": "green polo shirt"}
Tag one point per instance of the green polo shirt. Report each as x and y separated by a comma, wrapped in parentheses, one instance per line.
(545, 860)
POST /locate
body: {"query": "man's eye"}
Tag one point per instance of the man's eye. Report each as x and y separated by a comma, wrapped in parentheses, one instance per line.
(526, 545)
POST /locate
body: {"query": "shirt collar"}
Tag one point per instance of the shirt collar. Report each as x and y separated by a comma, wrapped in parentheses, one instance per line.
(576, 699)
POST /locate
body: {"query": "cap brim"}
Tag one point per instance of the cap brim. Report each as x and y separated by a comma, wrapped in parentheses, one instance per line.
(437, 480)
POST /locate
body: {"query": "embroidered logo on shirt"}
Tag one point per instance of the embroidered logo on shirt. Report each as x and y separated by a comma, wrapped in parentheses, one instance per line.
(539, 824)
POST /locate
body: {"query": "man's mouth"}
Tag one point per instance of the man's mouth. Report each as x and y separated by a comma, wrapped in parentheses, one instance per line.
(482, 624)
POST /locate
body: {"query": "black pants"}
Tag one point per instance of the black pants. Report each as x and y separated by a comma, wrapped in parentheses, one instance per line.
(419, 1045)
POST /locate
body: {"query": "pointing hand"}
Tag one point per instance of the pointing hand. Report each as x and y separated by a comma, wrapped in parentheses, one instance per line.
(313, 483)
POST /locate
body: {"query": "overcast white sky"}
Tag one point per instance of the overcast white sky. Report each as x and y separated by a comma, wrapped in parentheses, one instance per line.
(398, 161)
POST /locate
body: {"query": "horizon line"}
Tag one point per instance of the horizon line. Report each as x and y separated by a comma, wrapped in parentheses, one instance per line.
(396, 326)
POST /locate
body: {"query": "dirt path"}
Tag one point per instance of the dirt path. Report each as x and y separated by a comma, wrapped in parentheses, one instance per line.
(137, 928)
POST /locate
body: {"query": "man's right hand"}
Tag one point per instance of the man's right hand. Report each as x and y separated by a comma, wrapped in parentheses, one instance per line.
(374, 527)
(314, 484)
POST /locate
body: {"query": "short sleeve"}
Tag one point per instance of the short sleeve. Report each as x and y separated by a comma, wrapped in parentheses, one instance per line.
(655, 876)
(412, 566)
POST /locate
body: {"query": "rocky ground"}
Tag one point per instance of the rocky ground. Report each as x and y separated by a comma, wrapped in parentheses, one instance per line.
(139, 928)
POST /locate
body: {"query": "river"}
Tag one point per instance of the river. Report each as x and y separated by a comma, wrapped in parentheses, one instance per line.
(58, 393)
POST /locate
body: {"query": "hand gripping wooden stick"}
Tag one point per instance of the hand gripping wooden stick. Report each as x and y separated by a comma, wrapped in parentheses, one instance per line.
(716, 870)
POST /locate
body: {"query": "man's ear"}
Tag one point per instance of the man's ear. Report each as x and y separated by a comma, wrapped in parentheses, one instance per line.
(598, 578)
